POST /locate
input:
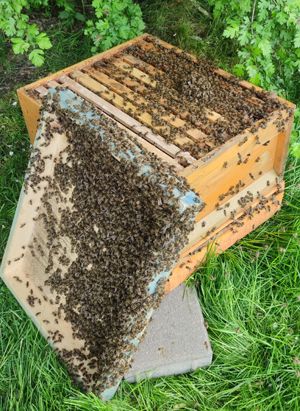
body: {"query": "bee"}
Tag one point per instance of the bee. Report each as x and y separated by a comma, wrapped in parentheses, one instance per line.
(17, 278)
(245, 139)
(31, 300)
(239, 158)
(19, 258)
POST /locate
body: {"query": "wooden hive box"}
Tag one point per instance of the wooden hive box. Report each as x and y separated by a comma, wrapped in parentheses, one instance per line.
(239, 175)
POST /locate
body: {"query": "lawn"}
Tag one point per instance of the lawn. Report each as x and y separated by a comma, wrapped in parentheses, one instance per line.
(250, 295)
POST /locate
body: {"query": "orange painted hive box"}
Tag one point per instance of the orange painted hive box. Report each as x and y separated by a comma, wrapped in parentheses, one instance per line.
(228, 138)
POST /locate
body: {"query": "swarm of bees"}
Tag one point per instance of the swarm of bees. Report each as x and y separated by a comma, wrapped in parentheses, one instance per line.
(191, 89)
(122, 226)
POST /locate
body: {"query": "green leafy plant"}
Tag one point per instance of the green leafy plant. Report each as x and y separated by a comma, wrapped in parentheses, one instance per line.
(24, 36)
(114, 21)
(267, 33)
(295, 137)
(267, 36)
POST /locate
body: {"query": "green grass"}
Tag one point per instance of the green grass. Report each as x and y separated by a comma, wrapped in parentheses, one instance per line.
(250, 295)
(183, 23)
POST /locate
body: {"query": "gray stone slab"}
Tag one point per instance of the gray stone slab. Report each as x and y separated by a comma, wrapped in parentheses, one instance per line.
(176, 341)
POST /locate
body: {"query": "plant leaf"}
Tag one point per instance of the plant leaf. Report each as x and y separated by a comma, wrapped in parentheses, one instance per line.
(37, 57)
(19, 45)
(43, 41)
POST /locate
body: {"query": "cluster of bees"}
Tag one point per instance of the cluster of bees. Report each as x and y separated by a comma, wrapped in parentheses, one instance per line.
(189, 89)
(183, 88)
(122, 227)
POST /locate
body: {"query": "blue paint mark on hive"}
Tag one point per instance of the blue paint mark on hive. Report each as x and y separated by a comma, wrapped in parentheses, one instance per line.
(161, 276)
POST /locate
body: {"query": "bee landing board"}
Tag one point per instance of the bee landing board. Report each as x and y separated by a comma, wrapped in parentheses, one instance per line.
(228, 138)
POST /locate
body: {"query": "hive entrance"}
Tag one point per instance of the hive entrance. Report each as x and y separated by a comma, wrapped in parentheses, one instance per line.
(108, 221)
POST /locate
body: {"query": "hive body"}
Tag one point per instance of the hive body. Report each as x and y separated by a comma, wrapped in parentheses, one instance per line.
(237, 175)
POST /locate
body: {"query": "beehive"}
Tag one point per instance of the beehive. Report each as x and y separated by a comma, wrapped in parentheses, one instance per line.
(228, 138)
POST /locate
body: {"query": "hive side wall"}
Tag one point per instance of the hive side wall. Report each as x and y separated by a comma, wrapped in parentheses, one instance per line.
(31, 111)
(242, 160)
(225, 239)
(212, 180)
(282, 147)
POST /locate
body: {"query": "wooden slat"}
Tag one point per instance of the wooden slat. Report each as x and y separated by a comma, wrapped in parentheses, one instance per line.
(42, 91)
(148, 146)
(144, 66)
(119, 88)
(120, 116)
(114, 85)
(139, 87)
(145, 117)
(116, 74)
(53, 83)
(120, 76)
(117, 100)
(128, 58)
(144, 143)
(84, 63)
(128, 68)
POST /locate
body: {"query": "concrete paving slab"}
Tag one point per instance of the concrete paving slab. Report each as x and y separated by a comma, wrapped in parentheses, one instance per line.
(176, 341)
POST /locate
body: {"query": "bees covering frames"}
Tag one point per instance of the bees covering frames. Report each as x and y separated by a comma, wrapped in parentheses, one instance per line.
(105, 285)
